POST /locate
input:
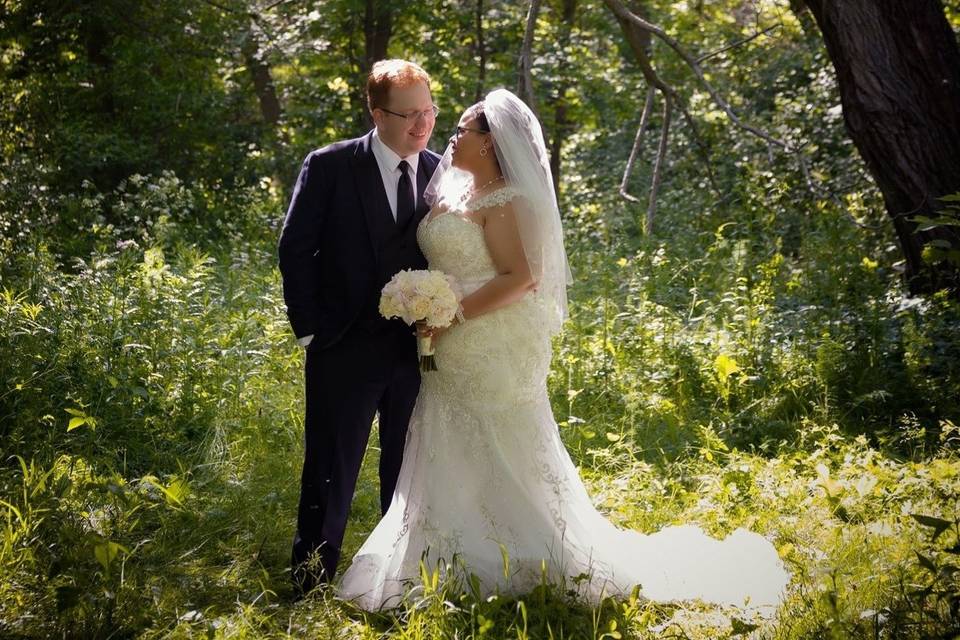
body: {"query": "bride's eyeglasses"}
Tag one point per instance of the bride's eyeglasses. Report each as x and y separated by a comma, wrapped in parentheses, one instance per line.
(426, 114)
(462, 130)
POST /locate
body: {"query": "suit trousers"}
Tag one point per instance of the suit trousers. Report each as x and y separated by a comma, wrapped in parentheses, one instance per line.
(363, 374)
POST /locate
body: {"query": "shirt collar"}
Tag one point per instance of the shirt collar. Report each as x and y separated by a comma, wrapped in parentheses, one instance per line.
(388, 158)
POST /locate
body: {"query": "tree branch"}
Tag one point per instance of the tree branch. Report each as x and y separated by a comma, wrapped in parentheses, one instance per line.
(644, 120)
(625, 14)
(737, 43)
(641, 47)
(658, 165)
(704, 148)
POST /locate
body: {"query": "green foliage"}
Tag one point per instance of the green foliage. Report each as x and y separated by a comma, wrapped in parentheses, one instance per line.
(101, 90)
(136, 383)
(944, 249)
(936, 603)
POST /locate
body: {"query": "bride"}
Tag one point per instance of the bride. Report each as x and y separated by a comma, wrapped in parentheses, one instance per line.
(485, 477)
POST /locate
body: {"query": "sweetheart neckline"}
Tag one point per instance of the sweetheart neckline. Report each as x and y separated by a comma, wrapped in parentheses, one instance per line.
(428, 219)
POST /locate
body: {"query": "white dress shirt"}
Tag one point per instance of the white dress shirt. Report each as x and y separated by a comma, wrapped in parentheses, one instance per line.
(387, 161)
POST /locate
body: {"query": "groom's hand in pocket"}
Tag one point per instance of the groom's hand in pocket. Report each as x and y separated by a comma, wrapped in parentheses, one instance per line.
(305, 341)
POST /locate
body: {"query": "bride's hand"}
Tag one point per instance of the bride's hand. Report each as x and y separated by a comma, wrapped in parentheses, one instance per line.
(437, 209)
(425, 330)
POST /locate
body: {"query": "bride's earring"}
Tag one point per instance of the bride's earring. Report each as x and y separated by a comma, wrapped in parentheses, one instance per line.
(483, 150)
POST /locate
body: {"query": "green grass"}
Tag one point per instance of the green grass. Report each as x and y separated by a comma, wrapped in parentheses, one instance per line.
(214, 564)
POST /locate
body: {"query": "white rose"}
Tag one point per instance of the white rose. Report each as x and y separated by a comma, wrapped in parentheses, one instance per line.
(420, 308)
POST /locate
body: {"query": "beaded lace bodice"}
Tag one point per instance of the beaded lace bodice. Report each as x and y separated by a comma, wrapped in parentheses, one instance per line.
(454, 244)
(500, 357)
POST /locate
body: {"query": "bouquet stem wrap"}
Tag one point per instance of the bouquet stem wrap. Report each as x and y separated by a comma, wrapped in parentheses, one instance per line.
(425, 351)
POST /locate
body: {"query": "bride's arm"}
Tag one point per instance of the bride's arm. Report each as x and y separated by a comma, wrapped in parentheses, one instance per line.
(513, 278)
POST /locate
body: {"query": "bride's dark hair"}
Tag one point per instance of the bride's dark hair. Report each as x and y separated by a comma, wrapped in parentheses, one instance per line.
(476, 112)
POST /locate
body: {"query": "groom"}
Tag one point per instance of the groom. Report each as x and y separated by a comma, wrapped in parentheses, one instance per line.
(350, 227)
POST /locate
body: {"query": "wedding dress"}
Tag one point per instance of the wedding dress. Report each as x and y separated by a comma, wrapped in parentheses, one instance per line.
(486, 478)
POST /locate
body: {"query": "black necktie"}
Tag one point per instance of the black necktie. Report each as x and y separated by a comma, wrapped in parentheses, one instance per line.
(404, 196)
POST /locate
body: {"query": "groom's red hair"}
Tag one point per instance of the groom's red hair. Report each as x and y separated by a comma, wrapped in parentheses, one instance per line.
(392, 73)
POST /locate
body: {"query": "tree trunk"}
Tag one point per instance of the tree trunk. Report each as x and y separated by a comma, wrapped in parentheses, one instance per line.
(525, 63)
(640, 41)
(898, 70)
(377, 29)
(561, 125)
(481, 52)
(270, 109)
(262, 80)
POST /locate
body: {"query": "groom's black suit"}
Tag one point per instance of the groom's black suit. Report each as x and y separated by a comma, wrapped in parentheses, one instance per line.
(339, 245)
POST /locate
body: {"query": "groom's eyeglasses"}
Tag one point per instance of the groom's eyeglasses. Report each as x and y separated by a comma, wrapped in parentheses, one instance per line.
(462, 130)
(426, 114)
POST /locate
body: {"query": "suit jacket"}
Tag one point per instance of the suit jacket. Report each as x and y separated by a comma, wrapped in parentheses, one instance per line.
(332, 237)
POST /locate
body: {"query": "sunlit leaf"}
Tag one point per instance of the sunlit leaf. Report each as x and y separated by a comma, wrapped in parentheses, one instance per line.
(106, 552)
(725, 366)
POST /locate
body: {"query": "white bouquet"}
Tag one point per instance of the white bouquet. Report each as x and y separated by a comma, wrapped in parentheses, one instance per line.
(422, 295)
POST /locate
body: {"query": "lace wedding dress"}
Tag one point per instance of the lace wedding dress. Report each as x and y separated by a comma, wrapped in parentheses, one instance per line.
(485, 475)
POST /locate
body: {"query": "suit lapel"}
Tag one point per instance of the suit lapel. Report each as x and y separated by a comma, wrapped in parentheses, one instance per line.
(369, 183)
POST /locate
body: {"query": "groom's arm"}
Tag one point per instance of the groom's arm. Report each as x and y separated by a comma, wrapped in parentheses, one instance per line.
(298, 247)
